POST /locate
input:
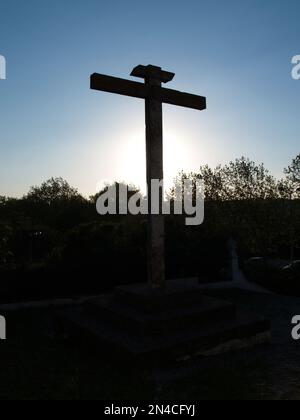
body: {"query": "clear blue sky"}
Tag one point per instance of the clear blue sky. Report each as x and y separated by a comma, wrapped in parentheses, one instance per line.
(237, 53)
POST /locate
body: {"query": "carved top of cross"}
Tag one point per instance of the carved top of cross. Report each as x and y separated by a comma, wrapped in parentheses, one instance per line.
(152, 73)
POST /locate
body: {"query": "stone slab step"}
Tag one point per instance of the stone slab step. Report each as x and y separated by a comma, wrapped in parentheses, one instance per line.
(143, 297)
(163, 320)
(247, 329)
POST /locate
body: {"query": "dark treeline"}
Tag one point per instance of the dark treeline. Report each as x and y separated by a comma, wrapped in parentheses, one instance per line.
(53, 242)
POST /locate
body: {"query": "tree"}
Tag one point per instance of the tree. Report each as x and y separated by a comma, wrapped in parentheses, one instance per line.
(55, 190)
(293, 171)
(6, 255)
(56, 204)
(2, 200)
(241, 179)
(293, 176)
(246, 180)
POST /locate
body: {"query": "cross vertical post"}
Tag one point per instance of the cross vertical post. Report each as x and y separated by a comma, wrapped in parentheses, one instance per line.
(154, 77)
(154, 162)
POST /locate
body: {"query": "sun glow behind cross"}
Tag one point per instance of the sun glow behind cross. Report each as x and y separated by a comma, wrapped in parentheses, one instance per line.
(131, 158)
(122, 146)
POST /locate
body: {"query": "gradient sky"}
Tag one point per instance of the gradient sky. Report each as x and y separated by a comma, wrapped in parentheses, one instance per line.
(237, 53)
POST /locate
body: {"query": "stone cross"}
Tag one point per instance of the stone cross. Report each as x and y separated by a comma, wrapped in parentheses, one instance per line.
(154, 95)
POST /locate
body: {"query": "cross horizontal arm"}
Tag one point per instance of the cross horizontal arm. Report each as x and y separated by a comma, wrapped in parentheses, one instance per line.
(142, 91)
(121, 86)
(175, 97)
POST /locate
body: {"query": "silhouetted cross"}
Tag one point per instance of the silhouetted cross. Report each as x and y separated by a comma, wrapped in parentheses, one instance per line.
(155, 95)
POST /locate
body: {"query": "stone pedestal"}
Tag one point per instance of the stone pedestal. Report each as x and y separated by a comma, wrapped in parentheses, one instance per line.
(150, 325)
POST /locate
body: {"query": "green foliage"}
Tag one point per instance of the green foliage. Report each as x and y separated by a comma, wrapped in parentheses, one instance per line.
(52, 191)
(54, 227)
(7, 259)
(293, 171)
(251, 205)
(56, 204)
(241, 179)
(293, 177)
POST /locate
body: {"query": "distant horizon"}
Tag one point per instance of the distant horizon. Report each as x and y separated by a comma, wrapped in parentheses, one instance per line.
(168, 185)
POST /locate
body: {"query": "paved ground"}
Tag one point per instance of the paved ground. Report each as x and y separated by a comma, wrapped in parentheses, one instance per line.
(276, 367)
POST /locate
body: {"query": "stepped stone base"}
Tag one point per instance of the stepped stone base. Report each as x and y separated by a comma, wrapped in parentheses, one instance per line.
(176, 324)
